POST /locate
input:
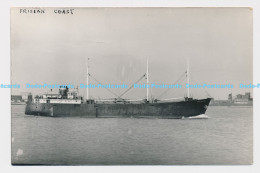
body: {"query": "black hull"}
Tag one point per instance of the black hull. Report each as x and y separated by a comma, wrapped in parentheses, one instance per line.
(149, 110)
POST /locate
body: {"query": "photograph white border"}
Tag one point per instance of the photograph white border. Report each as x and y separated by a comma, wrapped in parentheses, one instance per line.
(5, 116)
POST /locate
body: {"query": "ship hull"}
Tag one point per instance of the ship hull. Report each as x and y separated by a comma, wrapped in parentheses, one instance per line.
(149, 110)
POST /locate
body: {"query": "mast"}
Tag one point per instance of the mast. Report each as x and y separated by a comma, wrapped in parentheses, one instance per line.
(188, 78)
(147, 80)
(87, 79)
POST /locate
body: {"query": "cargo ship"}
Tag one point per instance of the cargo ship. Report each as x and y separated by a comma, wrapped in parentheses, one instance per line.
(68, 103)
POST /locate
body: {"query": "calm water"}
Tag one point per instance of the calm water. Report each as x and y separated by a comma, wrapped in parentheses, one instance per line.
(224, 138)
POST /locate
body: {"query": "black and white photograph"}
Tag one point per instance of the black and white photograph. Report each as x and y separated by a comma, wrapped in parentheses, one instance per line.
(131, 86)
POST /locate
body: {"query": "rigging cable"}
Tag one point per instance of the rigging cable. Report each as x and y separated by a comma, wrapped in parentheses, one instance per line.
(204, 90)
(131, 86)
(102, 84)
(173, 84)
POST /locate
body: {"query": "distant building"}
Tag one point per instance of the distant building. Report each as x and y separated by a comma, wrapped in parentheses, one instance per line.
(240, 98)
(16, 98)
(25, 96)
(230, 97)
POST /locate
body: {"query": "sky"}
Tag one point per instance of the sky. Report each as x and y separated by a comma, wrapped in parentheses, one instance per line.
(54, 48)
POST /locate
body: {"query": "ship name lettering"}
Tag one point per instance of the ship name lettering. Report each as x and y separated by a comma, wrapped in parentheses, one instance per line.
(63, 11)
(31, 11)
